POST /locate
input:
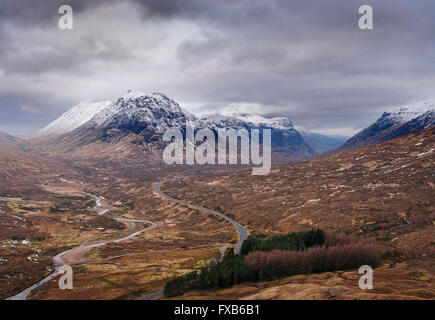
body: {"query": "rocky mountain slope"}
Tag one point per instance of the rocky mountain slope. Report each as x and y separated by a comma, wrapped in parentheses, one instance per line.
(138, 113)
(286, 140)
(398, 122)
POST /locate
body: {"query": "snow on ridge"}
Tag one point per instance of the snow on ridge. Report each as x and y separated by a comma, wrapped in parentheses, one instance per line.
(156, 109)
(411, 111)
(219, 121)
(132, 94)
(281, 123)
(73, 118)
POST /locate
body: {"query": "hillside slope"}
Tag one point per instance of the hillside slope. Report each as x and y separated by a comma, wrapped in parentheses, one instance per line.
(383, 191)
(398, 122)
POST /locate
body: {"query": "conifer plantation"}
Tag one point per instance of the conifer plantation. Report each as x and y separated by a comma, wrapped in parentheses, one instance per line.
(265, 258)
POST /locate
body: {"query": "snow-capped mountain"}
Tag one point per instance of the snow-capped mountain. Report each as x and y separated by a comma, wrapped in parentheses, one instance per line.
(398, 122)
(402, 114)
(141, 119)
(284, 136)
(318, 142)
(134, 122)
(218, 121)
(248, 120)
(72, 119)
(135, 112)
(257, 120)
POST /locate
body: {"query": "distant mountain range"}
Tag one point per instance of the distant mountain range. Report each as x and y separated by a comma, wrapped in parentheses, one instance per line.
(398, 122)
(321, 142)
(140, 119)
(135, 123)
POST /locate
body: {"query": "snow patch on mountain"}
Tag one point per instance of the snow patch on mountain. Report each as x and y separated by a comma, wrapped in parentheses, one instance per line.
(146, 117)
(132, 94)
(398, 122)
(257, 120)
(405, 113)
(219, 121)
(73, 118)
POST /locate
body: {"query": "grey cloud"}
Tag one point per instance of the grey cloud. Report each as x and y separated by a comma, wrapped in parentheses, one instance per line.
(303, 59)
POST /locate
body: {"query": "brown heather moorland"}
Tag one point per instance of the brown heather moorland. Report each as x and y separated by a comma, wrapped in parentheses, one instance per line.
(384, 192)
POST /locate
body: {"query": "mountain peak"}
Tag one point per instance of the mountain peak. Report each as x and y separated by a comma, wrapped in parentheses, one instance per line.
(132, 94)
(136, 112)
(159, 94)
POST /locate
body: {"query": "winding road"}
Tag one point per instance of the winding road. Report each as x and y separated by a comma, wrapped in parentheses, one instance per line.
(242, 232)
(75, 254)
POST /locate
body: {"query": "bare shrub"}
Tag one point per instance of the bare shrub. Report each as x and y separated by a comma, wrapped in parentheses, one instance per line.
(336, 239)
(341, 253)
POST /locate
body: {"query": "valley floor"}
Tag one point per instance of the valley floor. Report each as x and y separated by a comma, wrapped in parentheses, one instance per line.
(384, 192)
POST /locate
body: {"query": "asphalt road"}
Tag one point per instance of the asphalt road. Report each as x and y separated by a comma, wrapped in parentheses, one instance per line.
(58, 260)
(100, 209)
(242, 232)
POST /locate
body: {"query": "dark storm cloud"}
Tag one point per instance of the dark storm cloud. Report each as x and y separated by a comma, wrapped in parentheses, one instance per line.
(307, 60)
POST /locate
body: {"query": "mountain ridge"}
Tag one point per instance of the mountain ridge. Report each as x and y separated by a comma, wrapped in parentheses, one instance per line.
(142, 119)
(397, 122)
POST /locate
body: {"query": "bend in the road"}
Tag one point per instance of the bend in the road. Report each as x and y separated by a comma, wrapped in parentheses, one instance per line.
(242, 232)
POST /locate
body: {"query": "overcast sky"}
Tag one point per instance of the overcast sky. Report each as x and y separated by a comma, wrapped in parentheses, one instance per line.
(306, 60)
